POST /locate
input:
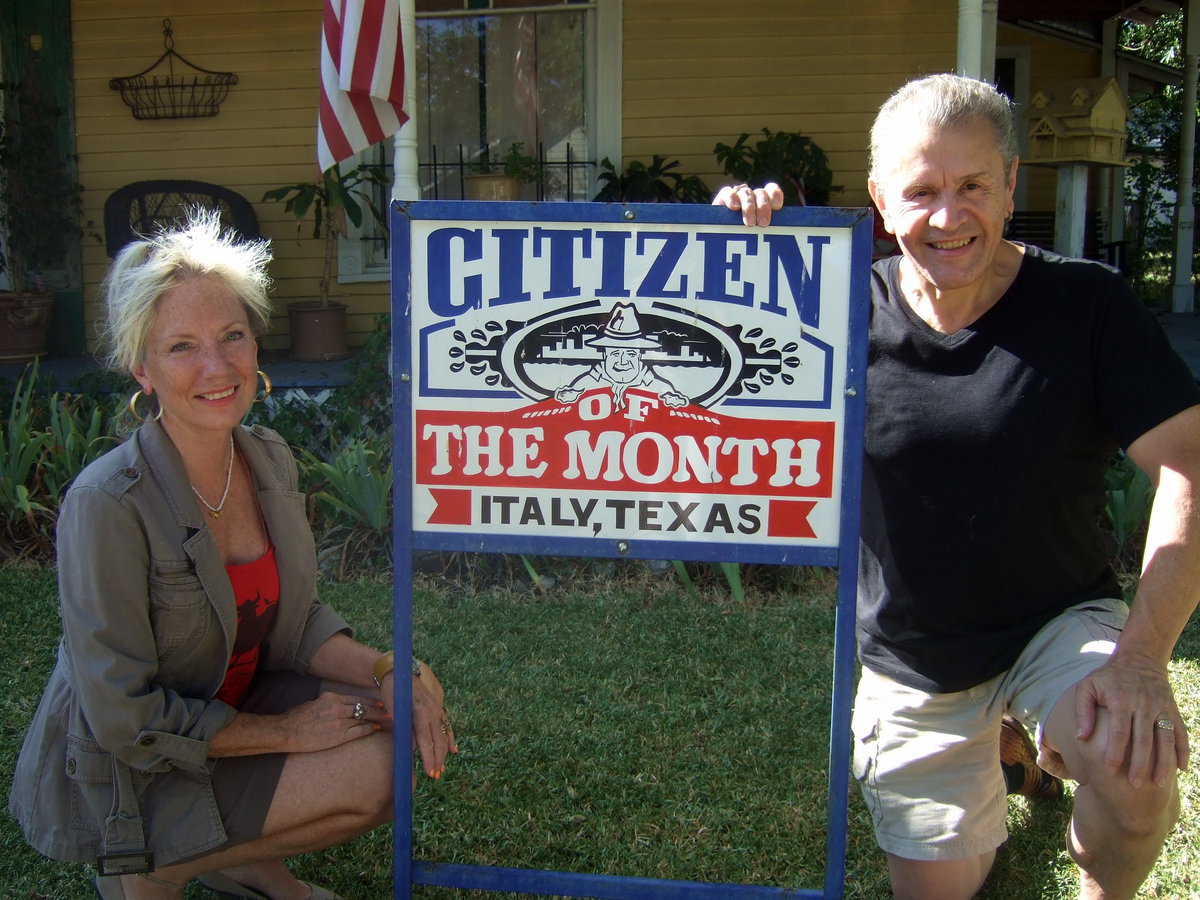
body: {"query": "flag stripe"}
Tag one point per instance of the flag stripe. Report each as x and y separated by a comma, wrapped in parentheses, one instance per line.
(362, 78)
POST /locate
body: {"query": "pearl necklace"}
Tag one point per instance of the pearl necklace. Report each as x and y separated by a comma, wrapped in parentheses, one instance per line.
(215, 511)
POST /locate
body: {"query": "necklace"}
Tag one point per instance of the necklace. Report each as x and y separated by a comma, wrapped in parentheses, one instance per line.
(215, 511)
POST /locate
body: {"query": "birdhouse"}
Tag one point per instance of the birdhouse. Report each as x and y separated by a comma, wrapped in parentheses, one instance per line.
(1077, 121)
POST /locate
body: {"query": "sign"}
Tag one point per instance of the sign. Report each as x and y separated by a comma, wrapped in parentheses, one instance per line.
(591, 387)
(651, 381)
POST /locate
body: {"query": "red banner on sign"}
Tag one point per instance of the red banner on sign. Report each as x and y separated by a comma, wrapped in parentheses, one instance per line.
(645, 446)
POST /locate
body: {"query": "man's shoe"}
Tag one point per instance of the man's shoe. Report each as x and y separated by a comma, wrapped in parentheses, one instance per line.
(1018, 759)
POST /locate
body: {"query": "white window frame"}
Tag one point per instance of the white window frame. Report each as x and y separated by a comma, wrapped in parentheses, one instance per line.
(604, 98)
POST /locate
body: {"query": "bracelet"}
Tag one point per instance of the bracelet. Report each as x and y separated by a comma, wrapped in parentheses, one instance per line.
(385, 664)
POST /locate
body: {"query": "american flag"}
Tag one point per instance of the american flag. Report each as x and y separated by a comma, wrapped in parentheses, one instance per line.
(362, 78)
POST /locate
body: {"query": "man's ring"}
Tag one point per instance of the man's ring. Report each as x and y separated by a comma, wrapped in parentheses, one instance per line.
(1165, 724)
(360, 711)
(445, 726)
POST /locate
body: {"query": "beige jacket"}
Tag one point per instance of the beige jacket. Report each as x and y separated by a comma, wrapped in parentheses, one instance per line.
(116, 758)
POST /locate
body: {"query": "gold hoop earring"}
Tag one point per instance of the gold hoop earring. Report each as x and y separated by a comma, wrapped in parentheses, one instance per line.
(266, 387)
(136, 415)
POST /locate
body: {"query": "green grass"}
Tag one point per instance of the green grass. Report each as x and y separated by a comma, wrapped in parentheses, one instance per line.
(612, 724)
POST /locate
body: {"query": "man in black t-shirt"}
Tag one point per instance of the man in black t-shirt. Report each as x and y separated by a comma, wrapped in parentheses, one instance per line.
(1001, 381)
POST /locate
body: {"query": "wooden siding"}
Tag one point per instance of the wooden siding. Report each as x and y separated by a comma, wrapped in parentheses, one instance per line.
(264, 135)
(696, 74)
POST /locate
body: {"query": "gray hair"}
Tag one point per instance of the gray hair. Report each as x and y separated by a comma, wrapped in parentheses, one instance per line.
(944, 101)
(146, 269)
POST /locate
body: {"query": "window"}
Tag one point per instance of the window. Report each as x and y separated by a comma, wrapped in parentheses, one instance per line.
(543, 74)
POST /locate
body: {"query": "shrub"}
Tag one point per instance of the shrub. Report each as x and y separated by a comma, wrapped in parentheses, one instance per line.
(43, 446)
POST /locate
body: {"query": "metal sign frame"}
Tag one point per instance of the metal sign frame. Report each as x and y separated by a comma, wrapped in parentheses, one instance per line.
(518, 318)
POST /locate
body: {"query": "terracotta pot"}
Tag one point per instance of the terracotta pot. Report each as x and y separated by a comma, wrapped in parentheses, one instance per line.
(24, 322)
(318, 332)
(492, 187)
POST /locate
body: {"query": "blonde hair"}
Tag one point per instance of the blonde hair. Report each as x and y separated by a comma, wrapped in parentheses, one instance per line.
(944, 101)
(146, 269)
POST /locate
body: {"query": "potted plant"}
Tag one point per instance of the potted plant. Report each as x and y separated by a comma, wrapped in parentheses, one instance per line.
(40, 202)
(792, 160)
(500, 178)
(654, 183)
(318, 327)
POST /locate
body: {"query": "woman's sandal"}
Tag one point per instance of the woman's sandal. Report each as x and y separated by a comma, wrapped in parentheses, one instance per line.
(108, 887)
(223, 884)
(226, 886)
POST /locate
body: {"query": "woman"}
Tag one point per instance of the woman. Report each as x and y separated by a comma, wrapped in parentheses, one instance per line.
(207, 716)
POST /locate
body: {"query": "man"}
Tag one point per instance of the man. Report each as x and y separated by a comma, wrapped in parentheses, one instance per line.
(1001, 380)
(623, 344)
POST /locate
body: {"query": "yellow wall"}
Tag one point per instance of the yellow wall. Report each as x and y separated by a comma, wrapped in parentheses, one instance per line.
(264, 135)
(705, 71)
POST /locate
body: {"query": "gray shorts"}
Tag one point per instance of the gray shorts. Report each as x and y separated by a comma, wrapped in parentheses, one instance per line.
(244, 786)
(929, 764)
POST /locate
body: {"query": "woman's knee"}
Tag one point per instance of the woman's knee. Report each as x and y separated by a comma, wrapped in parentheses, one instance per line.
(353, 779)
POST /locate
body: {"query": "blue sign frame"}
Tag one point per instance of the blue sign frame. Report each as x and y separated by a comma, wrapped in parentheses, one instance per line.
(500, 369)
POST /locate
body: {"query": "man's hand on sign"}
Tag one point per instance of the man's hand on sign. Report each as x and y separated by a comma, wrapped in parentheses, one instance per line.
(756, 204)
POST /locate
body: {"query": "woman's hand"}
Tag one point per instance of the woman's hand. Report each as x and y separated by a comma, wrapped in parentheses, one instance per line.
(756, 204)
(331, 720)
(433, 735)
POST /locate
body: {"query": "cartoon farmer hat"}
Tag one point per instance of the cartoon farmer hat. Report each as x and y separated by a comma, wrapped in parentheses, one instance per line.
(624, 330)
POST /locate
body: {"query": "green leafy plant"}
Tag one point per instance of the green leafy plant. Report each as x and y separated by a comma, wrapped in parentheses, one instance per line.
(22, 514)
(77, 436)
(338, 196)
(40, 198)
(1130, 496)
(789, 158)
(515, 163)
(654, 183)
(356, 496)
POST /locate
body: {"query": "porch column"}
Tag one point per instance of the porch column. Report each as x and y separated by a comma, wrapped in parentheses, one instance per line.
(1182, 291)
(970, 38)
(987, 40)
(1069, 207)
(406, 183)
(1112, 179)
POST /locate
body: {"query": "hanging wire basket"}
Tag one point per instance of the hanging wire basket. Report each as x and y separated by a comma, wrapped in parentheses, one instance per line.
(160, 92)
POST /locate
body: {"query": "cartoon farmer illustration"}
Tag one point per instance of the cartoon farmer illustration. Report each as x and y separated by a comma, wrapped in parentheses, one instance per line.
(623, 343)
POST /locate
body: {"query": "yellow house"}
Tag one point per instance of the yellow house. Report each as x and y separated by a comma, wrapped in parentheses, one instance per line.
(579, 80)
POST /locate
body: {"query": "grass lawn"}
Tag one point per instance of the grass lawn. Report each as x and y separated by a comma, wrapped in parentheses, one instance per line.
(610, 724)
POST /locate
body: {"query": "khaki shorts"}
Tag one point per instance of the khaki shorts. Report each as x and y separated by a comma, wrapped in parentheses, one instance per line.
(929, 764)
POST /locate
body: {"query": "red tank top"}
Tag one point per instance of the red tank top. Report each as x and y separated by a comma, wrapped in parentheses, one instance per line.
(256, 591)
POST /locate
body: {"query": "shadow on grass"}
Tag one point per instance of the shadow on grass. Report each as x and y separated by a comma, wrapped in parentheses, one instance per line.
(1033, 862)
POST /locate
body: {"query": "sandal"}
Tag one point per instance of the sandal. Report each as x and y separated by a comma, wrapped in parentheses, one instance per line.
(108, 887)
(1018, 759)
(226, 886)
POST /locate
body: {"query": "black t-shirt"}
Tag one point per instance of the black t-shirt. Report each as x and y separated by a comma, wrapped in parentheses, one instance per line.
(983, 485)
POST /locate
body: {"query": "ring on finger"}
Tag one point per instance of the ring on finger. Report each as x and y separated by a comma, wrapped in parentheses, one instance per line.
(446, 727)
(1165, 724)
(359, 712)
